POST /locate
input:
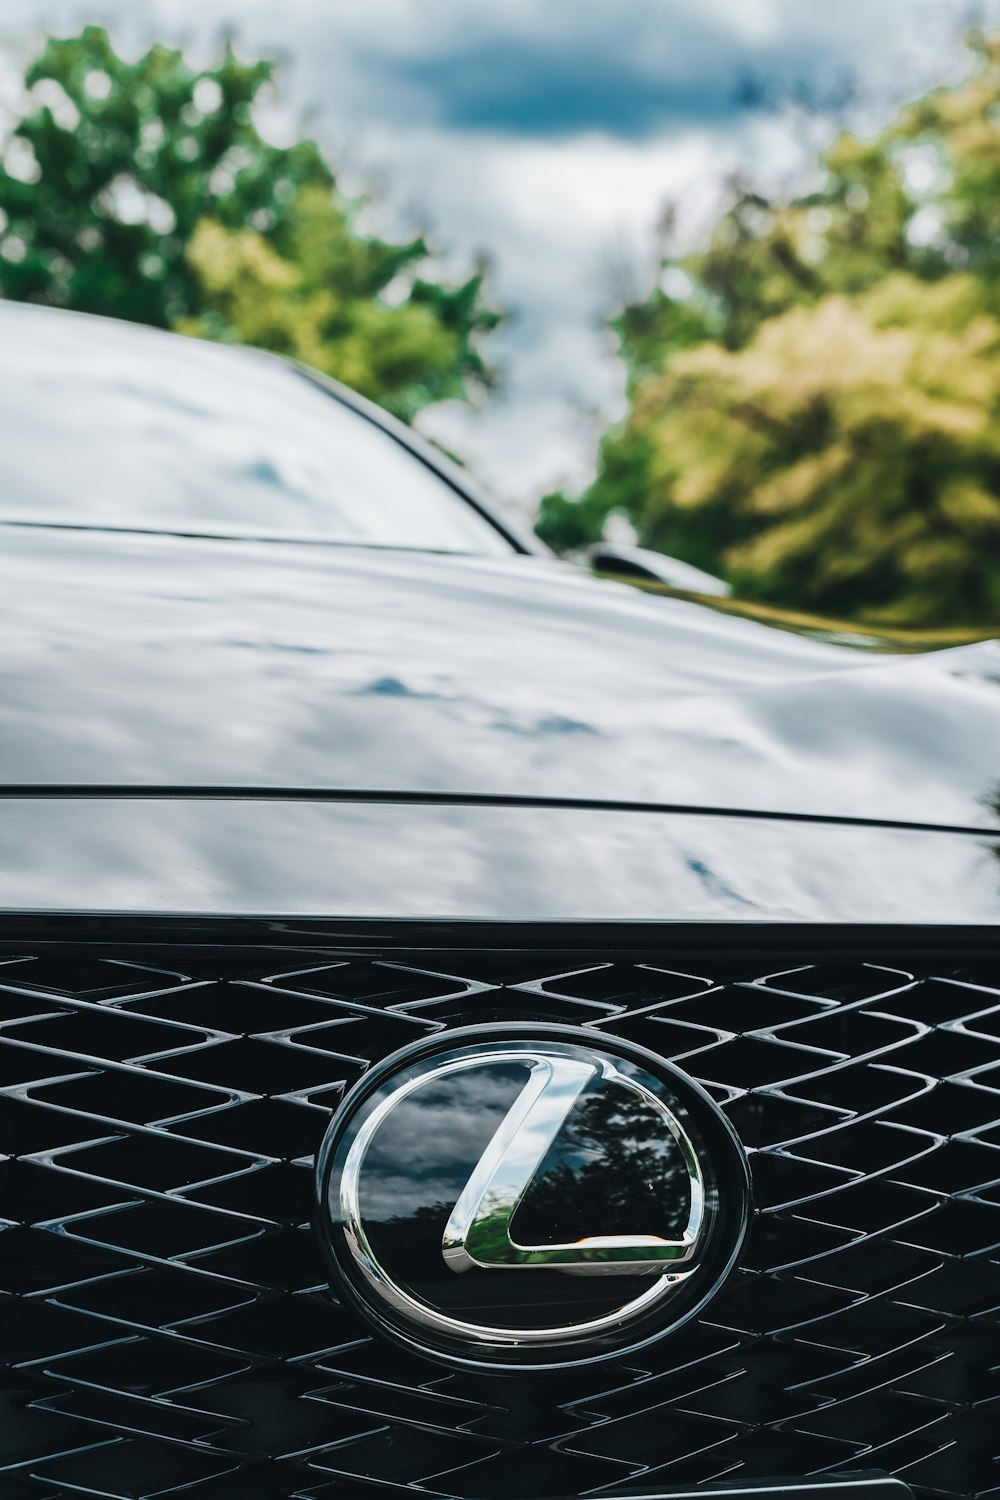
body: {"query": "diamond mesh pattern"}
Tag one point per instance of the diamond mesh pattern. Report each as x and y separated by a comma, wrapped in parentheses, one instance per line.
(167, 1326)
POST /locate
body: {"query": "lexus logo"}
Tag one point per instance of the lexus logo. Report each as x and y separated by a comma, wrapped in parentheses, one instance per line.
(478, 1233)
(518, 1196)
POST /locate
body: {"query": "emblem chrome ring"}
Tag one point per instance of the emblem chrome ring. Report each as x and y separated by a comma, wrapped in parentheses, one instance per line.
(665, 1278)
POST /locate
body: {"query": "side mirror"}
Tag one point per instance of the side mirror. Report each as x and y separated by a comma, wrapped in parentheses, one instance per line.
(655, 567)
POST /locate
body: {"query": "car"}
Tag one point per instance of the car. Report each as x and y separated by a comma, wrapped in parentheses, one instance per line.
(468, 1028)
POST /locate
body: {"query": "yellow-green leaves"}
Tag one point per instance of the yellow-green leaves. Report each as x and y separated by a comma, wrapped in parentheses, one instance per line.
(819, 419)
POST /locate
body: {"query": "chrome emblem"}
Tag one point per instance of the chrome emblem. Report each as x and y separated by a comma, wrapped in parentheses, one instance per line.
(478, 1232)
(520, 1196)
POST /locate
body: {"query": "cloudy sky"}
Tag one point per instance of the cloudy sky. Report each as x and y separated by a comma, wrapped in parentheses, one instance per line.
(549, 134)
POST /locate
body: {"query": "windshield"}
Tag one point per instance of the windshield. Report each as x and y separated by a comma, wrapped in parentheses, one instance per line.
(105, 424)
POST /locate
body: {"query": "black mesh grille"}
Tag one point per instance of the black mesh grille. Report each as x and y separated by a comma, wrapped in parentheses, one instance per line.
(167, 1325)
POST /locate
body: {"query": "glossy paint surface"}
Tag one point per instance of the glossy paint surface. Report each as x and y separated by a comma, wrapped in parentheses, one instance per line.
(167, 665)
(169, 661)
(157, 856)
(109, 423)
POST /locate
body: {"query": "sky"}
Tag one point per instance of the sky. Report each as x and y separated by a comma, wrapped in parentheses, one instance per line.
(549, 135)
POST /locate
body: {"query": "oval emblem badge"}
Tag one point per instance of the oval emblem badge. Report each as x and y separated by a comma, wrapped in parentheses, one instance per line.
(516, 1196)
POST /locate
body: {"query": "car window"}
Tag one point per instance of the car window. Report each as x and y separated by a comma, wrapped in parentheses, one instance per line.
(107, 424)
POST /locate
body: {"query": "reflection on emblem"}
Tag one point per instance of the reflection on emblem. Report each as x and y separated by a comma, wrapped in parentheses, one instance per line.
(478, 1233)
(463, 1162)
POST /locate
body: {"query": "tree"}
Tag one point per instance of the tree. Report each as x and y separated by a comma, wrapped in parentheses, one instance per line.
(817, 416)
(144, 190)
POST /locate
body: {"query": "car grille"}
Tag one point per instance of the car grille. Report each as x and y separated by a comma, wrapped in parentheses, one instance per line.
(168, 1326)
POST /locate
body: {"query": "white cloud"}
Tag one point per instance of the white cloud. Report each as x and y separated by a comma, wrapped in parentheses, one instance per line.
(555, 211)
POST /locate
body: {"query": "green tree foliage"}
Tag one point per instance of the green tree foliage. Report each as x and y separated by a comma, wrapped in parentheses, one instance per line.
(818, 417)
(144, 190)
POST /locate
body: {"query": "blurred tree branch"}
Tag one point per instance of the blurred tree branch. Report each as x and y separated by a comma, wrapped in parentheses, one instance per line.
(144, 190)
(814, 395)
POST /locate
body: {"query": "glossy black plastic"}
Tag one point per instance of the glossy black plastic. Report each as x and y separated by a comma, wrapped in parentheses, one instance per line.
(872, 1486)
(168, 1318)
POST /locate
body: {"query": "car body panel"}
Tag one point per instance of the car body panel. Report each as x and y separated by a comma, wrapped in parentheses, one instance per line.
(159, 660)
(309, 857)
